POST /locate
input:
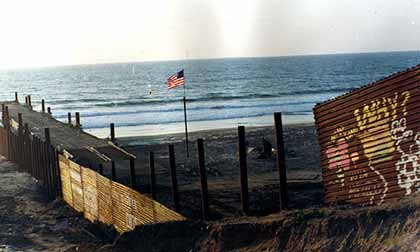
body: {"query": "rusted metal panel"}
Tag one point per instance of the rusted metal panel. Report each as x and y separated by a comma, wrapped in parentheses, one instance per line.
(130, 209)
(370, 141)
(104, 188)
(122, 207)
(107, 201)
(147, 211)
(143, 210)
(164, 214)
(65, 180)
(90, 194)
(76, 186)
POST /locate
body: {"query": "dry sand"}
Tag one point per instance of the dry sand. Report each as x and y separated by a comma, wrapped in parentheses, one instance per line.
(302, 160)
(28, 222)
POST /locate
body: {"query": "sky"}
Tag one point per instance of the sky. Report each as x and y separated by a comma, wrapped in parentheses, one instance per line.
(55, 32)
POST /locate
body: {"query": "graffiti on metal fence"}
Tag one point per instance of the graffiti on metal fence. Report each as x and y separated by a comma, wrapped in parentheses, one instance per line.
(372, 149)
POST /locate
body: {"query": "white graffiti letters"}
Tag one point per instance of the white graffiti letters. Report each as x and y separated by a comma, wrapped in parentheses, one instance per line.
(408, 166)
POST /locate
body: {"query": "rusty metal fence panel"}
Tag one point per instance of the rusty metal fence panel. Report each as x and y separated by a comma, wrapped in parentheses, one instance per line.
(122, 207)
(101, 199)
(370, 141)
(65, 180)
(90, 195)
(104, 187)
(76, 186)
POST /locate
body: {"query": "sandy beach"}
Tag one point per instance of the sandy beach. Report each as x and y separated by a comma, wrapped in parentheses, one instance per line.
(302, 161)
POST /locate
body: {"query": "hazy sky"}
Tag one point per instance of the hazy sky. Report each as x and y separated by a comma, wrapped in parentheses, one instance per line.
(54, 32)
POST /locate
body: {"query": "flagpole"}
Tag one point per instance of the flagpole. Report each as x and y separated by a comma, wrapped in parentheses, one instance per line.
(185, 119)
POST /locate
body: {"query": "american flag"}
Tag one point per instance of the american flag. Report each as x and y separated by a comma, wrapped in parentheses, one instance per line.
(176, 80)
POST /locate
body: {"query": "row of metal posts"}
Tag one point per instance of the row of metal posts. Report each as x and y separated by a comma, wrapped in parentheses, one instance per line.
(242, 150)
(33, 155)
(41, 160)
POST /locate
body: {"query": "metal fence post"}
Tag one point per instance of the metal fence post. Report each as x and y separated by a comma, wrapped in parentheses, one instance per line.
(174, 182)
(152, 174)
(243, 169)
(281, 163)
(203, 180)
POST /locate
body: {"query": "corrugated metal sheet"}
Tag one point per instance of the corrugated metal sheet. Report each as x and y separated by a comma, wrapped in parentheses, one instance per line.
(370, 141)
(76, 186)
(109, 202)
(104, 187)
(122, 205)
(143, 210)
(65, 180)
(90, 195)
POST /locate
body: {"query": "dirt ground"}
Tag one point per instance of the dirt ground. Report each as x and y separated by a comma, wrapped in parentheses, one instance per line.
(28, 222)
(302, 162)
(392, 227)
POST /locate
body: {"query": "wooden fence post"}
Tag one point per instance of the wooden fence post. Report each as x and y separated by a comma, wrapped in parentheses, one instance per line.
(16, 97)
(43, 106)
(152, 174)
(49, 110)
(243, 169)
(281, 163)
(26, 100)
(112, 129)
(132, 173)
(174, 182)
(203, 180)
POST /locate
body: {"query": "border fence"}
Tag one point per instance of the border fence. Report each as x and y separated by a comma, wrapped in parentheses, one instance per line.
(370, 141)
(67, 174)
(85, 190)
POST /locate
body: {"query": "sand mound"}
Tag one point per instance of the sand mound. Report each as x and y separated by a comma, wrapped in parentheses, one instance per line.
(391, 227)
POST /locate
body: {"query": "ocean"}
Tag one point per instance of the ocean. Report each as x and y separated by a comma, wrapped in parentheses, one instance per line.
(221, 93)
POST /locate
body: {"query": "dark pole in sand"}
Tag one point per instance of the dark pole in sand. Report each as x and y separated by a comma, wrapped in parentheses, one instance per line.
(174, 182)
(43, 106)
(203, 180)
(281, 163)
(186, 128)
(243, 169)
(152, 175)
(112, 128)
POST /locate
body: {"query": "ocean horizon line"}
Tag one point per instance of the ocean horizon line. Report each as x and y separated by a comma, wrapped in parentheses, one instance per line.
(48, 67)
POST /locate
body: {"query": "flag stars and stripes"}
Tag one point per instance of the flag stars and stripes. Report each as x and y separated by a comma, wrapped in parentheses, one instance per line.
(176, 80)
